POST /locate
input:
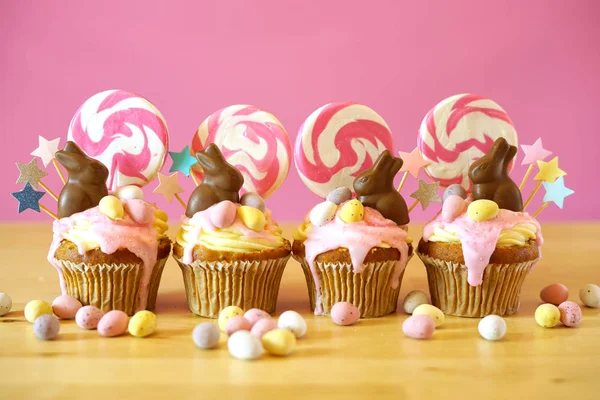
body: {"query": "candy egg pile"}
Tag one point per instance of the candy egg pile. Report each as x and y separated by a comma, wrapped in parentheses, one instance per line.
(36, 308)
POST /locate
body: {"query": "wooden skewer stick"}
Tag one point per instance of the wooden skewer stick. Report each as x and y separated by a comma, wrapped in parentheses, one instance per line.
(60, 173)
(539, 210)
(413, 205)
(522, 185)
(47, 211)
(537, 187)
(402, 181)
(194, 178)
(47, 189)
(178, 197)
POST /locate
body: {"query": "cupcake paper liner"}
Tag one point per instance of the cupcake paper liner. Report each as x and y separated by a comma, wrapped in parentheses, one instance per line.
(211, 286)
(498, 294)
(110, 286)
(370, 291)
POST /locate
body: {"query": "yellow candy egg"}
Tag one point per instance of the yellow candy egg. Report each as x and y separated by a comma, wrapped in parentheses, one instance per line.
(252, 217)
(142, 324)
(547, 315)
(435, 313)
(112, 207)
(482, 210)
(226, 314)
(37, 308)
(279, 342)
(352, 211)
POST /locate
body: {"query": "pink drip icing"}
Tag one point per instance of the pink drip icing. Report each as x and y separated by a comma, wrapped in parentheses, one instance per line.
(479, 239)
(112, 235)
(359, 238)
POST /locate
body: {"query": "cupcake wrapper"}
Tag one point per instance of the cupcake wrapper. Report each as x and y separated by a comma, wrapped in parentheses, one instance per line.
(211, 286)
(498, 294)
(370, 291)
(110, 286)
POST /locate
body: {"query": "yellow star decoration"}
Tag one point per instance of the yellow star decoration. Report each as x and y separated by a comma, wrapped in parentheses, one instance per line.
(549, 171)
(168, 186)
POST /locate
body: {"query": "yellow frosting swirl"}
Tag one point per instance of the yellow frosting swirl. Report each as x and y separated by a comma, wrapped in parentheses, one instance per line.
(301, 234)
(518, 235)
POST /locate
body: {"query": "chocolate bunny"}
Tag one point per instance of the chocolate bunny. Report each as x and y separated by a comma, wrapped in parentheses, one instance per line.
(222, 181)
(86, 184)
(375, 188)
(490, 177)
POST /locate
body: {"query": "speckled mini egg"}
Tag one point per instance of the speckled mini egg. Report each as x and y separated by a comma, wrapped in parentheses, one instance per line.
(344, 313)
(339, 195)
(254, 315)
(322, 213)
(5, 304)
(244, 346)
(455, 190)
(206, 335)
(279, 342)
(352, 211)
(492, 327)
(251, 199)
(482, 210)
(226, 314)
(88, 317)
(223, 214)
(36, 308)
(237, 323)
(413, 300)
(129, 192)
(570, 313)
(140, 211)
(419, 326)
(453, 207)
(252, 217)
(435, 313)
(113, 323)
(65, 306)
(263, 326)
(46, 327)
(112, 207)
(555, 293)
(294, 322)
(547, 315)
(590, 295)
(142, 324)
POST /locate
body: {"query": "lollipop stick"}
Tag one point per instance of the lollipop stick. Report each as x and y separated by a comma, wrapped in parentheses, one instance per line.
(539, 210)
(413, 205)
(194, 178)
(62, 177)
(50, 213)
(522, 185)
(47, 189)
(178, 197)
(537, 187)
(402, 181)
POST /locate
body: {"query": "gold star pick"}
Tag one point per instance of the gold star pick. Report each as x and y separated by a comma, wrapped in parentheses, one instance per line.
(426, 194)
(549, 171)
(169, 187)
(30, 173)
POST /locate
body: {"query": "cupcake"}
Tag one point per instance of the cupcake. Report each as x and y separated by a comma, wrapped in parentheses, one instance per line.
(356, 250)
(230, 250)
(478, 251)
(109, 252)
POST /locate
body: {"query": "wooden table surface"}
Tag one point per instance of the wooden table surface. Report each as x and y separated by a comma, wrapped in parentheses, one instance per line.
(368, 359)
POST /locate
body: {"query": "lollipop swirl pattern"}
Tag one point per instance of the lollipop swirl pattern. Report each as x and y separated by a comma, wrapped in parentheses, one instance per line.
(253, 141)
(458, 131)
(336, 143)
(125, 132)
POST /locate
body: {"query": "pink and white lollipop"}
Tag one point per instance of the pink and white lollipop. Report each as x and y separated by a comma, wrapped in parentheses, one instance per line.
(125, 132)
(336, 143)
(458, 131)
(253, 141)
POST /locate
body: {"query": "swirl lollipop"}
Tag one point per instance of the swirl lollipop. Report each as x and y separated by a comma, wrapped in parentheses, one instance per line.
(336, 143)
(458, 131)
(253, 141)
(125, 132)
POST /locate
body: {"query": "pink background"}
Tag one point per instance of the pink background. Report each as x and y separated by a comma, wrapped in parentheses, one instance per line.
(538, 59)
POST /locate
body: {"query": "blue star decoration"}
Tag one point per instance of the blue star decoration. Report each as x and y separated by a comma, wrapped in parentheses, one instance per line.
(182, 161)
(556, 191)
(28, 198)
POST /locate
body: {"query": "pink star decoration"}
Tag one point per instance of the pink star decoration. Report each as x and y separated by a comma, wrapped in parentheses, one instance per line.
(535, 152)
(413, 162)
(46, 150)
(168, 186)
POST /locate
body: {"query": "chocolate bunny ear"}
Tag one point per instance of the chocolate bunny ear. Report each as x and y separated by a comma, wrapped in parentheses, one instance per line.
(71, 161)
(499, 150)
(512, 151)
(71, 147)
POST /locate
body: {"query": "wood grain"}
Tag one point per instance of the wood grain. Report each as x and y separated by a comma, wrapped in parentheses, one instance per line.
(370, 359)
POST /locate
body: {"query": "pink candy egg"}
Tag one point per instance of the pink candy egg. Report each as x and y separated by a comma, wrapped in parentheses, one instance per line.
(88, 317)
(223, 214)
(237, 323)
(254, 315)
(140, 211)
(65, 306)
(113, 323)
(554, 294)
(453, 206)
(570, 313)
(419, 327)
(344, 313)
(263, 326)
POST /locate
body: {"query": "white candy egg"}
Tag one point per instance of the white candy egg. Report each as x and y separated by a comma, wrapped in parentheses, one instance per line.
(590, 295)
(413, 300)
(129, 192)
(492, 327)
(244, 346)
(5, 304)
(322, 213)
(294, 322)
